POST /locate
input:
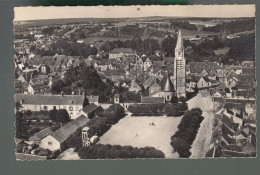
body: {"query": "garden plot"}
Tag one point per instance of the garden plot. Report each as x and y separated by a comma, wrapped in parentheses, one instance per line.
(140, 132)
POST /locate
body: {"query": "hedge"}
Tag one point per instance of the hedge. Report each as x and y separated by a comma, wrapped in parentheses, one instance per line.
(176, 109)
(100, 151)
(182, 140)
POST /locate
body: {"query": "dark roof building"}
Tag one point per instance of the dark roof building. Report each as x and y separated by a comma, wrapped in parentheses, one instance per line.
(152, 100)
(63, 133)
(166, 84)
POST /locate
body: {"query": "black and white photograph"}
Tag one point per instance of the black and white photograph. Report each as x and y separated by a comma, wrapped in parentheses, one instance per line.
(134, 82)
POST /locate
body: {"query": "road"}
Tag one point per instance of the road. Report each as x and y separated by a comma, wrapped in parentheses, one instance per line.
(202, 140)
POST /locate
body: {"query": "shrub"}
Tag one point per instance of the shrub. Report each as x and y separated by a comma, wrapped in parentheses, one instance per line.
(182, 99)
(181, 146)
(174, 99)
(100, 151)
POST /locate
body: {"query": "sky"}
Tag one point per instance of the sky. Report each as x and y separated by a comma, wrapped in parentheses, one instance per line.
(223, 11)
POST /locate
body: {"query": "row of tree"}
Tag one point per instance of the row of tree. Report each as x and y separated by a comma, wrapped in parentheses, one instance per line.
(100, 151)
(233, 26)
(138, 44)
(174, 109)
(182, 140)
(184, 25)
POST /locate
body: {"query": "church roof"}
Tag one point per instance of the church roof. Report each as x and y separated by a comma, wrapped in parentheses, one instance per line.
(166, 83)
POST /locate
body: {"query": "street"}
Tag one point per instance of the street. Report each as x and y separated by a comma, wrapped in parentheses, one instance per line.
(202, 140)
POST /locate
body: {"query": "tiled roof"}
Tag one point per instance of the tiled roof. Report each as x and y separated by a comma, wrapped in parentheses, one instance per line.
(64, 132)
(90, 108)
(93, 99)
(228, 139)
(198, 67)
(166, 84)
(50, 99)
(248, 70)
(41, 135)
(228, 130)
(152, 100)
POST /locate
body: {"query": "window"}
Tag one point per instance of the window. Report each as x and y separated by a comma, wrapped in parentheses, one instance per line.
(54, 107)
(71, 108)
(45, 108)
(168, 97)
(50, 143)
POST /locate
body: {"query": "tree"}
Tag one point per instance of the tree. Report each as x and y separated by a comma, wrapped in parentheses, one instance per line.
(57, 86)
(62, 116)
(168, 46)
(182, 99)
(174, 99)
(52, 114)
(86, 102)
(181, 146)
(21, 126)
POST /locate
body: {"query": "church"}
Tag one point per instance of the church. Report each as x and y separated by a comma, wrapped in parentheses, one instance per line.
(168, 88)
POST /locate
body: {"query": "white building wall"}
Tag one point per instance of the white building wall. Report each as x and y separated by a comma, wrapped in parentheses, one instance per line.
(50, 143)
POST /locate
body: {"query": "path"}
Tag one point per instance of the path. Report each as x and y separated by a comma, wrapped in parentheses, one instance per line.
(202, 140)
(69, 154)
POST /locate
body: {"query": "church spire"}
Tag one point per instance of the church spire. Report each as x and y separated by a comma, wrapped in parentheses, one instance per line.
(179, 45)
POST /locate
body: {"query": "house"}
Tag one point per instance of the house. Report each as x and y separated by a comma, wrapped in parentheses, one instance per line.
(140, 62)
(147, 63)
(167, 89)
(93, 99)
(36, 138)
(155, 87)
(57, 139)
(203, 83)
(134, 86)
(38, 89)
(40, 80)
(72, 103)
(155, 100)
(19, 87)
(120, 52)
(117, 98)
(44, 69)
(90, 110)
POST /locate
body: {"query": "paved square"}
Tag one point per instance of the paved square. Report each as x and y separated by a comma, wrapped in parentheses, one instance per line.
(137, 132)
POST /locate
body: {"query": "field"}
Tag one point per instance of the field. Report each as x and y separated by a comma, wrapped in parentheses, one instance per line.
(137, 132)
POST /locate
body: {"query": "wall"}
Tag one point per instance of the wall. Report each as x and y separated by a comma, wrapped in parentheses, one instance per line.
(74, 113)
(55, 144)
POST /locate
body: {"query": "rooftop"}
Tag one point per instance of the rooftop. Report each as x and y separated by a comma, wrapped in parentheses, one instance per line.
(43, 99)
(152, 100)
(64, 132)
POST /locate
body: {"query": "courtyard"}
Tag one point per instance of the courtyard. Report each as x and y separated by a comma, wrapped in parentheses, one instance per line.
(140, 132)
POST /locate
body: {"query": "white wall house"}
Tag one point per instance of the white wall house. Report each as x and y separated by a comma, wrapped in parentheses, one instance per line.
(50, 143)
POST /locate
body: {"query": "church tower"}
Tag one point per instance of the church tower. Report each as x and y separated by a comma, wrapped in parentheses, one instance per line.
(180, 68)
